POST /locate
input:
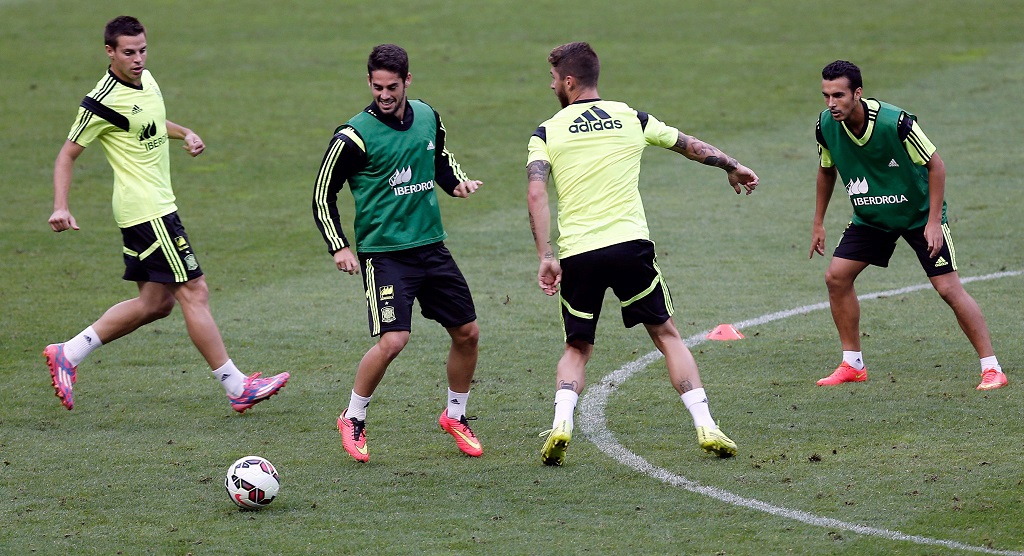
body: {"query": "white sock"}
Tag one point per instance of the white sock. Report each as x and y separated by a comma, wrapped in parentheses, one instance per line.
(986, 362)
(357, 406)
(854, 359)
(565, 405)
(696, 401)
(230, 378)
(457, 404)
(77, 348)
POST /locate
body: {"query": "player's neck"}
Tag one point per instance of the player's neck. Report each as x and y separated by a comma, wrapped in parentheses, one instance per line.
(857, 122)
(583, 94)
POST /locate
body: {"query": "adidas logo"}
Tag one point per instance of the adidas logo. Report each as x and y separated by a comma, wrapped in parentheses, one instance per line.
(892, 163)
(136, 109)
(594, 119)
(430, 145)
(453, 401)
(400, 176)
(858, 186)
(941, 261)
(88, 339)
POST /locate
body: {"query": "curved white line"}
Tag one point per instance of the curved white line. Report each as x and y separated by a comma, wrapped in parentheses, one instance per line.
(594, 424)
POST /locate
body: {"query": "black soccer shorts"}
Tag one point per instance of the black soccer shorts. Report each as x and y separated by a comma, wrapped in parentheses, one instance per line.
(427, 274)
(631, 270)
(159, 251)
(874, 246)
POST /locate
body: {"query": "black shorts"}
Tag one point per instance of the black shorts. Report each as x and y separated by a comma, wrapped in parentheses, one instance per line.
(631, 270)
(159, 251)
(873, 246)
(427, 274)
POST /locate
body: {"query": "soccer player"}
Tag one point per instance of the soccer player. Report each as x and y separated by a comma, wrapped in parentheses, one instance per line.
(896, 183)
(125, 114)
(392, 154)
(592, 150)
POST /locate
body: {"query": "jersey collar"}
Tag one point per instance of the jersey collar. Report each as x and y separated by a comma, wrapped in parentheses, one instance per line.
(111, 73)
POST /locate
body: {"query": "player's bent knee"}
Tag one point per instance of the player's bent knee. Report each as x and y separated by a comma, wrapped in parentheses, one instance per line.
(392, 343)
(466, 336)
(163, 308)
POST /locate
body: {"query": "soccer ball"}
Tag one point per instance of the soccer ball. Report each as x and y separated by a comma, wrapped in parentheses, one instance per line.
(252, 482)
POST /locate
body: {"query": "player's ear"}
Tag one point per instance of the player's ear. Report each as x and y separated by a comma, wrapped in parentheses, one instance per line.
(408, 79)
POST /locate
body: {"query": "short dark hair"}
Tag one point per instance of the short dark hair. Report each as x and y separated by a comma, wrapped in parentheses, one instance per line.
(390, 57)
(578, 60)
(842, 68)
(122, 25)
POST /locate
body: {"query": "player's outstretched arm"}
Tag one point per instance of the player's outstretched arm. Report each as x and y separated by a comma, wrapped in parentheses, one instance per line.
(63, 170)
(740, 177)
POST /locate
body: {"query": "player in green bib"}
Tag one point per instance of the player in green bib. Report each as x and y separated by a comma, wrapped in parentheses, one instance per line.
(591, 151)
(125, 114)
(896, 183)
(392, 154)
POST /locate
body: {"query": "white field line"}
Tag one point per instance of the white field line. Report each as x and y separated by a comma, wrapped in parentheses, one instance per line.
(595, 426)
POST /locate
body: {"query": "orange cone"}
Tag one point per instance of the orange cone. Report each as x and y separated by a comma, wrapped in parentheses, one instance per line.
(725, 332)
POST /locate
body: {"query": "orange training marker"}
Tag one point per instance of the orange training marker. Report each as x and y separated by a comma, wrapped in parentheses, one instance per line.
(725, 332)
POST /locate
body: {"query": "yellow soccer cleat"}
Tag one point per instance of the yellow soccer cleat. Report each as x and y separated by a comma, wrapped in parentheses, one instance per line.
(714, 441)
(553, 452)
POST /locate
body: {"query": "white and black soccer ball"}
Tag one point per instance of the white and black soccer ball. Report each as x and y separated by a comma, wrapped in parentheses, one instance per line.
(252, 482)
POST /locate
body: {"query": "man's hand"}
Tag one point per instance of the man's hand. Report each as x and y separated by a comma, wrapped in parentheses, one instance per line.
(743, 177)
(817, 241)
(346, 261)
(549, 275)
(465, 188)
(933, 235)
(194, 144)
(61, 220)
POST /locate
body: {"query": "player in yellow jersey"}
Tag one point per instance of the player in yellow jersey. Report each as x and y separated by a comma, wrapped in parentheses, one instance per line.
(592, 149)
(125, 114)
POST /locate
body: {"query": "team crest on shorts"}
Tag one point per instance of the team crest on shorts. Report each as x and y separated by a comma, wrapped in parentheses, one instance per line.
(387, 314)
(385, 293)
(191, 263)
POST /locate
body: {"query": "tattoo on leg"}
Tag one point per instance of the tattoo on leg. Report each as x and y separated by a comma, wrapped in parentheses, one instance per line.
(685, 385)
(563, 385)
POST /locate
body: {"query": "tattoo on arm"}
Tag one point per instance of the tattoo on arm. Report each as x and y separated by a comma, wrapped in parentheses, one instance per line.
(724, 162)
(549, 254)
(538, 170)
(681, 142)
(704, 153)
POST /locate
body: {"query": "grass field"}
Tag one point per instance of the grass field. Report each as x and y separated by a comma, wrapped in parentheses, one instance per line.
(137, 467)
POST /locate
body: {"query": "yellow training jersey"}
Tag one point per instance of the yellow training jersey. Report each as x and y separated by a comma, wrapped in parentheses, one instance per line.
(130, 123)
(594, 148)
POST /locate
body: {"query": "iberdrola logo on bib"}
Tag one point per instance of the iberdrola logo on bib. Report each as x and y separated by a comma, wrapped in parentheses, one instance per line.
(857, 186)
(400, 176)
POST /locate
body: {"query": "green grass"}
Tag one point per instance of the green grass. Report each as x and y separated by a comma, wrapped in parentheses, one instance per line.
(137, 467)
